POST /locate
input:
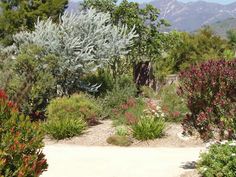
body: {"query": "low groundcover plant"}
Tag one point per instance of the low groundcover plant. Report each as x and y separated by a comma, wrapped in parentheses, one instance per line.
(219, 160)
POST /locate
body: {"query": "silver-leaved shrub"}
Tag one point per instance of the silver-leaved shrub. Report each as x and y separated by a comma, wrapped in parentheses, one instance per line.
(82, 41)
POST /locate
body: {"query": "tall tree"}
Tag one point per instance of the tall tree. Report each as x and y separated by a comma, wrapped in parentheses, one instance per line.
(17, 15)
(195, 48)
(148, 45)
(82, 42)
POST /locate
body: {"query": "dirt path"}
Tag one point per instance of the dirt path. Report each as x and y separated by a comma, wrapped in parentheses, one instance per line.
(81, 161)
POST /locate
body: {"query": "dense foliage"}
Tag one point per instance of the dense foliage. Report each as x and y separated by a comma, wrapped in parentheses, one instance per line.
(150, 42)
(211, 97)
(64, 128)
(30, 79)
(128, 112)
(172, 104)
(20, 143)
(69, 116)
(78, 106)
(219, 160)
(122, 90)
(117, 52)
(148, 127)
(231, 34)
(18, 15)
(196, 48)
(146, 21)
(82, 42)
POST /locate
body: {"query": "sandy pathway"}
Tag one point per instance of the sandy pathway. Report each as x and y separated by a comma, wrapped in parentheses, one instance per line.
(89, 155)
(81, 161)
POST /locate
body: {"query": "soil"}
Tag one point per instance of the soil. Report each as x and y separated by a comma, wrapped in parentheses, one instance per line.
(94, 136)
(97, 136)
(192, 173)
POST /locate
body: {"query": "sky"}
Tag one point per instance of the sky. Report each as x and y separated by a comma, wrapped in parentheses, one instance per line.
(217, 1)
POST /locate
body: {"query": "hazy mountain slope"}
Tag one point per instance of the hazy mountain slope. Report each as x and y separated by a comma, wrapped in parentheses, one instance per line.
(193, 15)
(190, 16)
(221, 27)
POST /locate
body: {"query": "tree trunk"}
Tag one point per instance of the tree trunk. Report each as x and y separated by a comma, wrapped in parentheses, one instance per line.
(143, 74)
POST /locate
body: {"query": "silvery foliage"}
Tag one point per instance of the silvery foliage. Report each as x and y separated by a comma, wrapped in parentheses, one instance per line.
(83, 41)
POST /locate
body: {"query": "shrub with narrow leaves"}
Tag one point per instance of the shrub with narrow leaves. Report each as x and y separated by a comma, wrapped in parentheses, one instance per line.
(122, 130)
(210, 91)
(148, 127)
(65, 128)
(20, 143)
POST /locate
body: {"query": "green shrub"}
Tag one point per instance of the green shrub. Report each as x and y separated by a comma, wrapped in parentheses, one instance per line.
(64, 128)
(219, 160)
(21, 143)
(122, 130)
(148, 127)
(119, 140)
(101, 77)
(29, 80)
(148, 92)
(128, 112)
(172, 104)
(122, 91)
(75, 107)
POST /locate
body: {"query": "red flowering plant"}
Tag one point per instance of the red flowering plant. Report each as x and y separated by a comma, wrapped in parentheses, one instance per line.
(129, 111)
(210, 91)
(20, 143)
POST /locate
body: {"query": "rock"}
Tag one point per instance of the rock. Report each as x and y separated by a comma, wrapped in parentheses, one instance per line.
(119, 140)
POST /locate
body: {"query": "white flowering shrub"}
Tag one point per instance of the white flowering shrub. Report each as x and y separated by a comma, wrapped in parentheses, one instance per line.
(219, 160)
(151, 124)
(154, 109)
(82, 41)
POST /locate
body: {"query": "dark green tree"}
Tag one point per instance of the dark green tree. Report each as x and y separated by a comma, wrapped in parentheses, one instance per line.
(194, 48)
(18, 15)
(100, 5)
(231, 34)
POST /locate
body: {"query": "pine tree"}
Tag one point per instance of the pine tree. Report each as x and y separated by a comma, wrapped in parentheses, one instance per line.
(17, 15)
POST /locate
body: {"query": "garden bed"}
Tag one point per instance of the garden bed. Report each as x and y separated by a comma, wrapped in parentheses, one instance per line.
(97, 135)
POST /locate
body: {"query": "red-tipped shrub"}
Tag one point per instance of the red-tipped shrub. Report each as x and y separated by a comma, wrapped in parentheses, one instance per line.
(130, 118)
(210, 90)
(20, 143)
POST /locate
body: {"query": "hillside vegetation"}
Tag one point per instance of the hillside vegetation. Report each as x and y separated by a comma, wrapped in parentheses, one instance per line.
(222, 27)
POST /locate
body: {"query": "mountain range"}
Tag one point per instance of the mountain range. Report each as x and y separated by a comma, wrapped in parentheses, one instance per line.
(189, 16)
(221, 27)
